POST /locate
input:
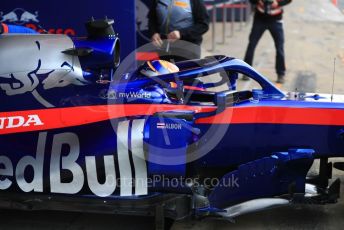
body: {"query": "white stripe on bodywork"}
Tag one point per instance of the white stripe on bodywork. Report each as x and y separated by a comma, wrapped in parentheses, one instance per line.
(139, 157)
(123, 159)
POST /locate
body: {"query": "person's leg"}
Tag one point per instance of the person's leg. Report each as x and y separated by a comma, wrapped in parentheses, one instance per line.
(257, 31)
(276, 30)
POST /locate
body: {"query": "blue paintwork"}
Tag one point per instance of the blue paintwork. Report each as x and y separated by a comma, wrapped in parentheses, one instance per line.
(20, 30)
(103, 50)
(274, 173)
(155, 137)
(268, 157)
(66, 17)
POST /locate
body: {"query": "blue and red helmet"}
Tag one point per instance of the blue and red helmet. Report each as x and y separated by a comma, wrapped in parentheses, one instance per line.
(158, 67)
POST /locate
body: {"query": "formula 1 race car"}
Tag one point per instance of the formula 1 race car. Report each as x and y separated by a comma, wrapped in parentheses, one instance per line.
(159, 140)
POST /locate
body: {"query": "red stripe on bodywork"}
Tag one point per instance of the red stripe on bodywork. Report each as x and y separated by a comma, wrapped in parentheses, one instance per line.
(147, 56)
(5, 28)
(77, 116)
(278, 115)
(195, 88)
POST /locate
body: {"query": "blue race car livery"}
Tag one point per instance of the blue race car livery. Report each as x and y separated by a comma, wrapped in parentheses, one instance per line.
(74, 127)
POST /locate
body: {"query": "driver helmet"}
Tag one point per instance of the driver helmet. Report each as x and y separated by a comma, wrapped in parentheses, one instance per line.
(158, 67)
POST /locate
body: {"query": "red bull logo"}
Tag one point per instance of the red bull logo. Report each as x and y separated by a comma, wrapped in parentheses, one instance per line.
(20, 16)
(68, 31)
(39, 67)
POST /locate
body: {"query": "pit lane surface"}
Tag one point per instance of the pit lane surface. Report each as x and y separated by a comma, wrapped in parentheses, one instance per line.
(290, 217)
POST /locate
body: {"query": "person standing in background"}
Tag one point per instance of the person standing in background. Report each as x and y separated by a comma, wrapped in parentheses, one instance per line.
(268, 16)
(178, 21)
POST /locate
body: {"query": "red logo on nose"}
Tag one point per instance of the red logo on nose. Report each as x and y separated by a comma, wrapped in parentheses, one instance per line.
(68, 31)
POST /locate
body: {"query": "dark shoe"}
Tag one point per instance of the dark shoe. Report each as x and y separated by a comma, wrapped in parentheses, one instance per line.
(245, 78)
(280, 79)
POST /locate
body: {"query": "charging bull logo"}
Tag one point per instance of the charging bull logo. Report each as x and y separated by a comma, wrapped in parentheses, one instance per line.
(28, 17)
(35, 64)
(19, 16)
(10, 17)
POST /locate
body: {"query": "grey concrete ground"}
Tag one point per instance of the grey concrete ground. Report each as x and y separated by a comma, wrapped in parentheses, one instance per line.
(314, 31)
(314, 37)
(290, 217)
(341, 5)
